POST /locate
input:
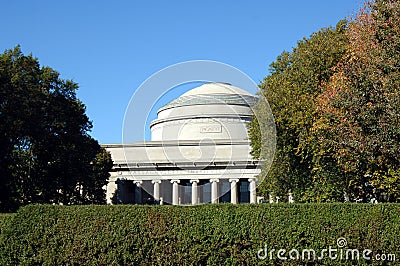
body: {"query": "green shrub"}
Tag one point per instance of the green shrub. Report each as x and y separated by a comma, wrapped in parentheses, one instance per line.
(4, 219)
(221, 234)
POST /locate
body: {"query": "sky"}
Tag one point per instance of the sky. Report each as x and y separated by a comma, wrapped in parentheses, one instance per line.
(111, 47)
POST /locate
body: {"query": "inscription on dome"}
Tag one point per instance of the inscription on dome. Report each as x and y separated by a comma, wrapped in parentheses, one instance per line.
(211, 129)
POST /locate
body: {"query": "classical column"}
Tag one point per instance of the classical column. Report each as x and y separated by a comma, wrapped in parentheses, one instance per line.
(252, 189)
(195, 193)
(214, 190)
(156, 190)
(175, 191)
(138, 191)
(234, 195)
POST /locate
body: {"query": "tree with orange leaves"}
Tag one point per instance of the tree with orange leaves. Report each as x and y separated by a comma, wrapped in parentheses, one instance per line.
(356, 141)
(336, 103)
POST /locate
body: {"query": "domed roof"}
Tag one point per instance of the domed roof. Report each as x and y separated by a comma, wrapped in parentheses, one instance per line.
(216, 88)
(213, 93)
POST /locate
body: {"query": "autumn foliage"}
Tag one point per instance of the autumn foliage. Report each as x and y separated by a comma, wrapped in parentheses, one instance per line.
(359, 106)
(339, 135)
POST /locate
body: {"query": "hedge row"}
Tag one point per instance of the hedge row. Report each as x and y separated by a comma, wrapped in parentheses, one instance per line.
(4, 220)
(222, 234)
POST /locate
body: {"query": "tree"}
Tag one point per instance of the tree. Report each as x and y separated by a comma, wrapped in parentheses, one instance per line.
(291, 89)
(360, 108)
(337, 109)
(47, 155)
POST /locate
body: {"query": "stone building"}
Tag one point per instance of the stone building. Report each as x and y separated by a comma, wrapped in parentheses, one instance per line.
(199, 152)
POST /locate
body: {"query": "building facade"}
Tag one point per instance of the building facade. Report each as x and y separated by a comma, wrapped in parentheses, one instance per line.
(199, 152)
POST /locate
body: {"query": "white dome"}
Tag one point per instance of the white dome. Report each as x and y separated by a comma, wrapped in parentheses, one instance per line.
(216, 88)
(210, 111)
(212, 93)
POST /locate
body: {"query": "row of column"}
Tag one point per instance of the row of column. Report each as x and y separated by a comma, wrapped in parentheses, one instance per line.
(214, 190)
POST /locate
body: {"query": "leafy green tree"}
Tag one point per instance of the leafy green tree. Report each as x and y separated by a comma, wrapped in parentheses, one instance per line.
(291, 89)
(337, 109)
(47, 155)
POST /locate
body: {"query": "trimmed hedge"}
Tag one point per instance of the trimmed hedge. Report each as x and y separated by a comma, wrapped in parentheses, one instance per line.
(4, 220)
(221, 234)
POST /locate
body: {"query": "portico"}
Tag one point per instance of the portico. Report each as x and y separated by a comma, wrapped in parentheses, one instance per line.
(199, 153)
(196, 192)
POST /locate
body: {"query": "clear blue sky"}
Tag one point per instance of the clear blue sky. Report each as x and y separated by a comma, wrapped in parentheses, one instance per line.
(110, 47)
